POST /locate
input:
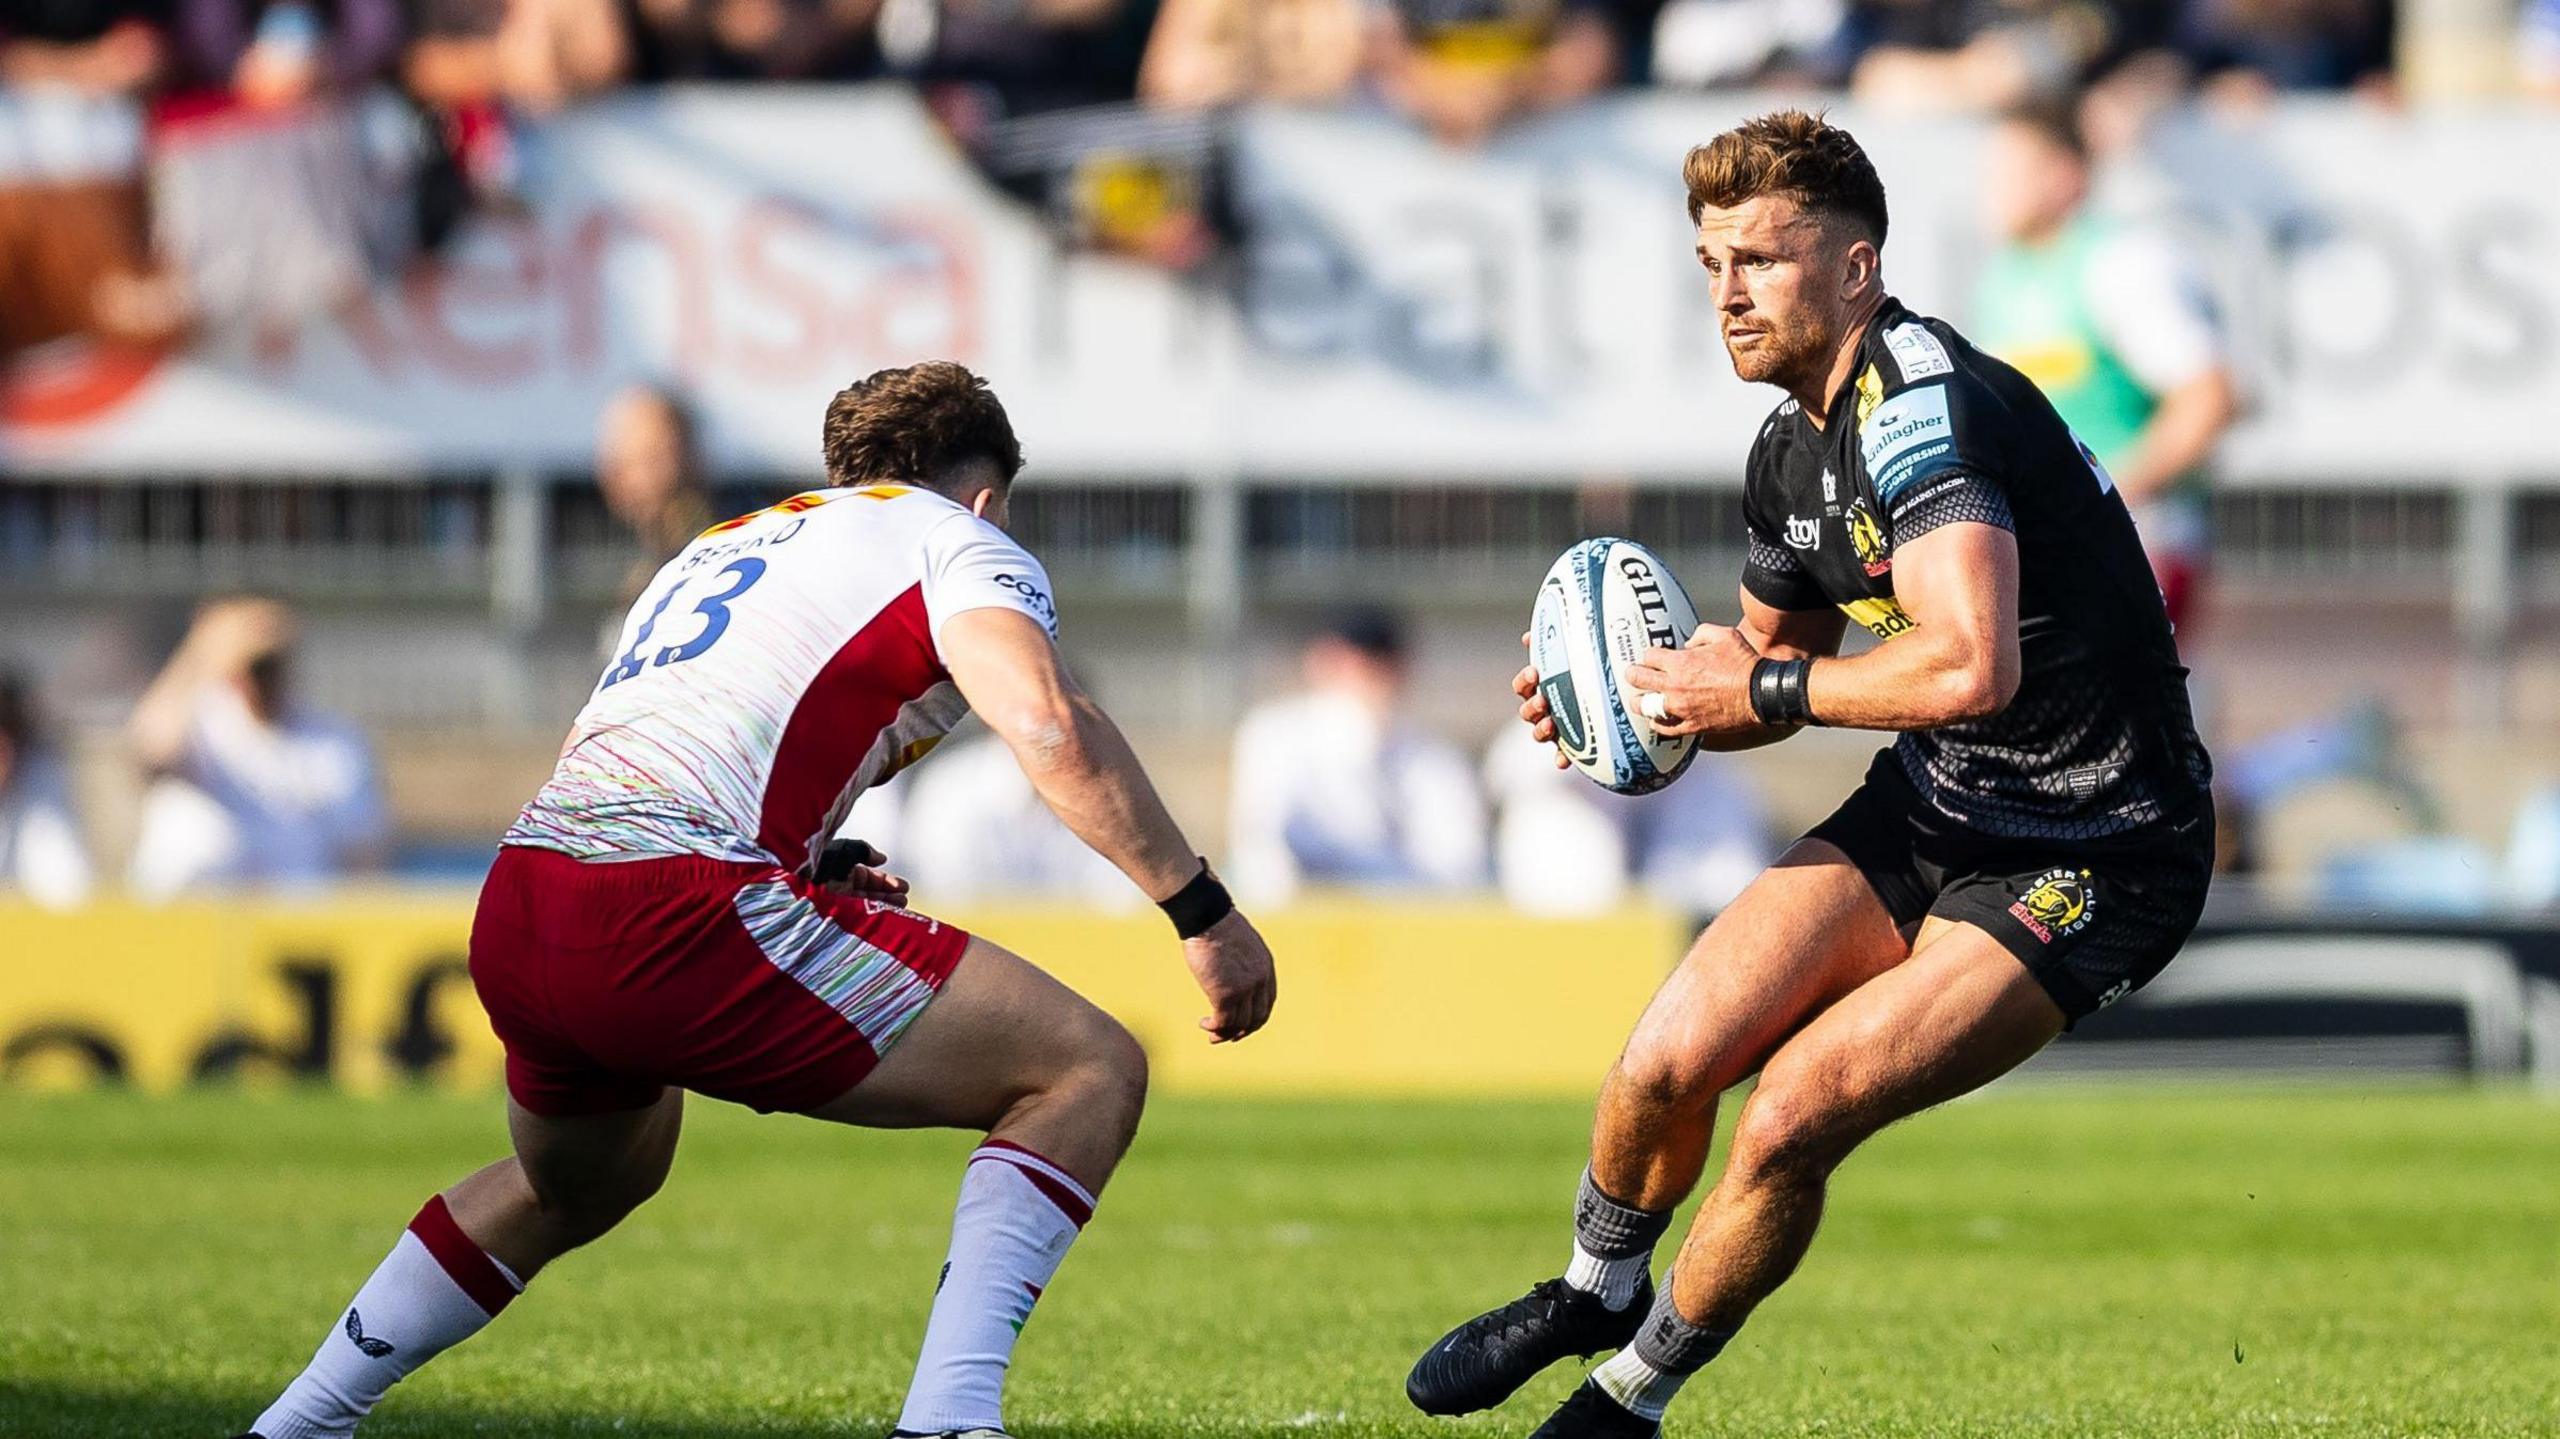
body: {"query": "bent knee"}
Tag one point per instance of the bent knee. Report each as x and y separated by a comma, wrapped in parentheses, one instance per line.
(1664, 1078)
(586, 1209)
(1791, 1128)
(1112, 1063)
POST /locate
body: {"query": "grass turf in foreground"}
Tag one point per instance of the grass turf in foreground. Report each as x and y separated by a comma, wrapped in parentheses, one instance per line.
(2141, 1261)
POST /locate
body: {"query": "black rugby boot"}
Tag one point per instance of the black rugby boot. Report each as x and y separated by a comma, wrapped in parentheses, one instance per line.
(1485, 1360)
(1589, 1413)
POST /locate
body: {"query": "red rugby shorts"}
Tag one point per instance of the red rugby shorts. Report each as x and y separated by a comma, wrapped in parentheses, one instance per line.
(609, 981)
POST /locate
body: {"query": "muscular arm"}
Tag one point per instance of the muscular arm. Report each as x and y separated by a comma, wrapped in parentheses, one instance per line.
(1075, 757)
(1790, 634)
(1082, 768)
(1776, 634)
(1959, 661)
(1959, 585)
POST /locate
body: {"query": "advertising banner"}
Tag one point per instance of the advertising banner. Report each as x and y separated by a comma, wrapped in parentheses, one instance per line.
(1391, 308)
(371, 992)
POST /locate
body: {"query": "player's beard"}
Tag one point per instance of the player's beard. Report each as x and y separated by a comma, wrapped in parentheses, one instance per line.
(1788, 353)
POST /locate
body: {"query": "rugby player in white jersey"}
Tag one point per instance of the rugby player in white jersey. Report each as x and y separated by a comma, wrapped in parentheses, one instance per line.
(668, 913)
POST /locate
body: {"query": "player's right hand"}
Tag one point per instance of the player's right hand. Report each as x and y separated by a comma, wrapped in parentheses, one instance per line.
(1233, 968)
(1533, 707)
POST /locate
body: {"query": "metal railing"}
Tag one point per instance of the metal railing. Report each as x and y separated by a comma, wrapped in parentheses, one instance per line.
(528, 550)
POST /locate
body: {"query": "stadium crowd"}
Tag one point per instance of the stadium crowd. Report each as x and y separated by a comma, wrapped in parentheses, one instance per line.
(128, 128)
(245, 786)
(242, 785)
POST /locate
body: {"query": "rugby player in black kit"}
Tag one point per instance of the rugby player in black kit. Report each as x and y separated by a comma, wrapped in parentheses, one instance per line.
(2035, 845)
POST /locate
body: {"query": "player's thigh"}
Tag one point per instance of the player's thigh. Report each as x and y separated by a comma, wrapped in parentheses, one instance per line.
(2096, 923)
(597, 1163)
(1958, 1014)
(1000, 1030)
(1806, 932)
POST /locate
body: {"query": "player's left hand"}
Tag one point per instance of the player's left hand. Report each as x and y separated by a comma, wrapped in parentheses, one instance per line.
(1234, 970)
(877, 885)
(856, 870)
(1705, 685)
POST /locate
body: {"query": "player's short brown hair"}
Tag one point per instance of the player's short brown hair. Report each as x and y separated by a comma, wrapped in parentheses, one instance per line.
(914, 425)
(1794, 154)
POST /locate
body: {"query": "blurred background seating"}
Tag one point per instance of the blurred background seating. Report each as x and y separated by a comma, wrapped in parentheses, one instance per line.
(294, 215)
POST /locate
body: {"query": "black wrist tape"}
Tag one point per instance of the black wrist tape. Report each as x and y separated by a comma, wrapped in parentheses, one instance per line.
(1778, 692)
(1198, 905)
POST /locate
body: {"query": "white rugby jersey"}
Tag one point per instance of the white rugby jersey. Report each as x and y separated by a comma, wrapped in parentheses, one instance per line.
(777, 667)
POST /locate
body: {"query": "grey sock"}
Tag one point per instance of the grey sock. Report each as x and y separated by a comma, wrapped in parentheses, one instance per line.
(1610, 1230)
(1668, 1349)
(1673, 1345)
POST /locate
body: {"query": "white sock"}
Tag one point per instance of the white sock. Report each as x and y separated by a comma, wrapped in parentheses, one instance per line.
(1016, 1216)
(1614, 1280)
(435, 1289)
(1612, 1244)
(1642, 1388)
(1666, 1351)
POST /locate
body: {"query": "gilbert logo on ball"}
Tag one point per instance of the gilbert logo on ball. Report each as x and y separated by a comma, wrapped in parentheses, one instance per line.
(1601, 606)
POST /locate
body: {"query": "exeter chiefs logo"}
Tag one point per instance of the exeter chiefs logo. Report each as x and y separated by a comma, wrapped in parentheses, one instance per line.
(1867, 538)
(2057, 903)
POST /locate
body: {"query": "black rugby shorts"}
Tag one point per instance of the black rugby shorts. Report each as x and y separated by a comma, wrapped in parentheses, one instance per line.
(2092, 920)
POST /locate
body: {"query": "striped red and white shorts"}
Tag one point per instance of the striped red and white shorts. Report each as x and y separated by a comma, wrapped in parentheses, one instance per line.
(609, 981)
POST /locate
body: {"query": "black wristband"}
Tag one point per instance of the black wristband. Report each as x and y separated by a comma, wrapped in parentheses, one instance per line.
(1778, 692)
(1198, 905)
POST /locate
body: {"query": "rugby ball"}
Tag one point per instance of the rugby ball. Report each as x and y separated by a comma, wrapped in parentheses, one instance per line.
(1602, 604)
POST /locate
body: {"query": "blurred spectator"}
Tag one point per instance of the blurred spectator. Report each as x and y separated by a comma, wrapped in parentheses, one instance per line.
(2107, 320)
(2357, 747)
(649, 469)
(41, 855)
(971, 829)
(1707, 44)
(1564, 846)
(265, 102)
(74, 234)
(1205, 53)
(752, 39)
(1977, 55)
(1141, 181)
(982, 61)
(1464, 68)
(475, 64)
(1041, 96)
(2538, 47)
(1337, 786)
(250, 787)
(278, 54)
(2251, 47)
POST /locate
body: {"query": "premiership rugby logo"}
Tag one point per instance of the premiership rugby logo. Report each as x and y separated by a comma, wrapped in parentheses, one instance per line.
(2056, 904)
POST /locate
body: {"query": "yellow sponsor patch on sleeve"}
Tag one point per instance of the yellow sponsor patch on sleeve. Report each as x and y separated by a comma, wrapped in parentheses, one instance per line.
(1883, 616)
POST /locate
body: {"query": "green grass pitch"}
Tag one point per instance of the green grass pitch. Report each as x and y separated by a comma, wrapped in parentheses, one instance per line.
(2044, 1261)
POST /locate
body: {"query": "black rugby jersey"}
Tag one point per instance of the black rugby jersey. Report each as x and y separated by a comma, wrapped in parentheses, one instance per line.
(1930, 431)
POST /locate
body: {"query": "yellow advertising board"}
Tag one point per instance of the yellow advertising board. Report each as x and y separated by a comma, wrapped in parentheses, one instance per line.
(369, 991)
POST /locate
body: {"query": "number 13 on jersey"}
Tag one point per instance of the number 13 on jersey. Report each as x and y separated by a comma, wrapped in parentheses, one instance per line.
(712, 608)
